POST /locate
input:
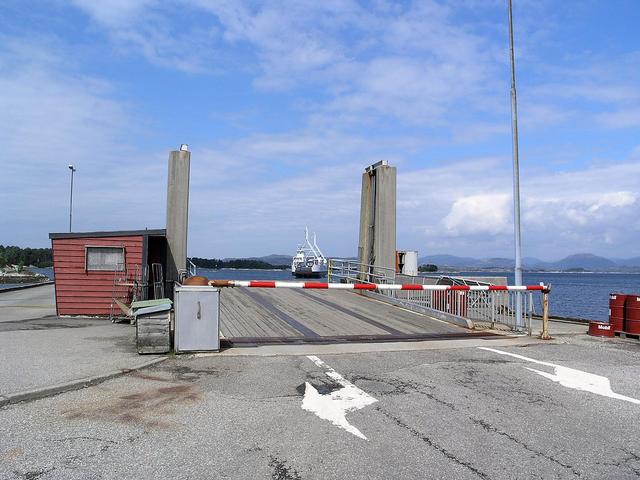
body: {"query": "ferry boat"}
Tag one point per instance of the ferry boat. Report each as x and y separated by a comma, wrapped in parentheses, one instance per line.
(309, 260)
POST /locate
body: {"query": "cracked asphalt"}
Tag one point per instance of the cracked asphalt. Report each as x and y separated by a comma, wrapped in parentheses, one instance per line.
(462, 413)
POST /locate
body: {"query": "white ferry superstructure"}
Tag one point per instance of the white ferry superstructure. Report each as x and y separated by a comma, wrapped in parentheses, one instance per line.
(309, 261)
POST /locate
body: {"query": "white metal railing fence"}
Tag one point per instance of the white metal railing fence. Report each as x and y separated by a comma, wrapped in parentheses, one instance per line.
(350, 271)
(483, 307)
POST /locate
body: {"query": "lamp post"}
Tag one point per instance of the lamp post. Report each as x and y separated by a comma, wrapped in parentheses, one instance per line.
(73, 169)
(516, 173)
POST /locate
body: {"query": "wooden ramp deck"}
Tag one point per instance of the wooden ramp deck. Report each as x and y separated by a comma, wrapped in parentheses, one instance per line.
(320, 316)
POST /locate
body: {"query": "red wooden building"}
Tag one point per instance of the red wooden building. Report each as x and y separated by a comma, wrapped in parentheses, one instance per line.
(91, 268)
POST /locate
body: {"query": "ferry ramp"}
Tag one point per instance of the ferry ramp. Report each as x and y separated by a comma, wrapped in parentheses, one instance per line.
(253, 316)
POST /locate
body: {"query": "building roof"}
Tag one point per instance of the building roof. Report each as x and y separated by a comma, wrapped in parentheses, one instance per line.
(116, 233)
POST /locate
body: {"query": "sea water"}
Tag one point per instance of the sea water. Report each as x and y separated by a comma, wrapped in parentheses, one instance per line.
(577, 295)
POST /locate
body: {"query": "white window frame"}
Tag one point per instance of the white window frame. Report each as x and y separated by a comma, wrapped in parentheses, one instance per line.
(120, 267)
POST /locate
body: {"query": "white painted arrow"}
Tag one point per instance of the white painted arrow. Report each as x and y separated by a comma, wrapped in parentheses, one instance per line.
(572, 378)
(334, 406)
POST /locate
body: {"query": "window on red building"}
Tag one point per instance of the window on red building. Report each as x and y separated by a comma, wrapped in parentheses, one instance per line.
(104, 258)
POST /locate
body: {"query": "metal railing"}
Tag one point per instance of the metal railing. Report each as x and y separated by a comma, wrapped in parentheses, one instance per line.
(350, 271)
(193, 269)
(483, 308)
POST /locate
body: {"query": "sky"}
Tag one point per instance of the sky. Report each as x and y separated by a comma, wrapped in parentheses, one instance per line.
(283, 104)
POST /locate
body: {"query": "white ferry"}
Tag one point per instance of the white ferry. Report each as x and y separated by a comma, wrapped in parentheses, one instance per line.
(309, 260)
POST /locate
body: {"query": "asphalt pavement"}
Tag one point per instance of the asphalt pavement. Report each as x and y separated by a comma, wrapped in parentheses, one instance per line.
(487, 411)
(27, 303)
(48, 354)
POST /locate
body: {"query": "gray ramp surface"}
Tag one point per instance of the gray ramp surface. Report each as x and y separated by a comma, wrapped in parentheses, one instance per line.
(290, 313)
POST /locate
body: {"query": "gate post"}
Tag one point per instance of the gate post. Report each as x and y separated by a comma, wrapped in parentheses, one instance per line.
(544, 335)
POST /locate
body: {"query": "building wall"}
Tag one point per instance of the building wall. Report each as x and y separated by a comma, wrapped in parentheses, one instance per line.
(81, 292)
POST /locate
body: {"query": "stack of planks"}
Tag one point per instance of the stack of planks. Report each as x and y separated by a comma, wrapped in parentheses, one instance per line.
(153, 329)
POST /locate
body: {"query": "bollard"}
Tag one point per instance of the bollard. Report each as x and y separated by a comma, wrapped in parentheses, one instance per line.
(544, 335)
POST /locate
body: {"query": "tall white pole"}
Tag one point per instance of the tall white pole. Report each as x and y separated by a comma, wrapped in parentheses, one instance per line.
(73, 169)
(516, 172)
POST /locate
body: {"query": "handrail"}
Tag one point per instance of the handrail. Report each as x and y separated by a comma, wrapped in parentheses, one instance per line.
(193, 269)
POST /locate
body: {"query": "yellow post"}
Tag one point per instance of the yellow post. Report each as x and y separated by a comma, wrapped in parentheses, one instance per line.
(545, 316)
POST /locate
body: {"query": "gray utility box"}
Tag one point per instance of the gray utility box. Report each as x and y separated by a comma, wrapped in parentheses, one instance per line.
(197, 327)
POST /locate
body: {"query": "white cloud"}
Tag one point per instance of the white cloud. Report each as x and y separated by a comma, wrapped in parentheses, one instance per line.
(625, 118)
(159, 31)
(115, 13)
(479, 214)
(54, 116)
(465, 208)
(613, 200)
(406, 62)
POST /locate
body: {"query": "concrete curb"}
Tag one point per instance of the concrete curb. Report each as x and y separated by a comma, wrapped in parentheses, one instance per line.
(38, 393)
(358, 348)
(25, 286)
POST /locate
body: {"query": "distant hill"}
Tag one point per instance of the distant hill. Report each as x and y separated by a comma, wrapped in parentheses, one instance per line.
(586, 261)
(448, 260)
(466, 262)
(629, 262)
(532, 262)
(497, 263)
(275, 259)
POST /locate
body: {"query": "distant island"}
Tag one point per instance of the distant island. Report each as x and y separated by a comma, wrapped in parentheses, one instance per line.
(37, 257)
(428, 268)
(14, 263)
(578, 263)
(241, 263)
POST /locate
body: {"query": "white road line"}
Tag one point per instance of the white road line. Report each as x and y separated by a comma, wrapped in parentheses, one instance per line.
(572, 378)
(334, 406)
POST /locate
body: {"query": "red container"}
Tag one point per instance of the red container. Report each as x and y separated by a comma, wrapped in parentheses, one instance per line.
(601, 329)
(632, 314)
(616, 311)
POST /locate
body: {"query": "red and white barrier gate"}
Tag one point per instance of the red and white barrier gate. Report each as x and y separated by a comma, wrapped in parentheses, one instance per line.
(477, 303)
(375, 286)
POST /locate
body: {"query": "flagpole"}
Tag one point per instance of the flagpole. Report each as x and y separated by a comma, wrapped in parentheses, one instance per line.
(516, 172)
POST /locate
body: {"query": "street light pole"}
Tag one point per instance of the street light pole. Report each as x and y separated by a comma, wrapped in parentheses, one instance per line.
(516, 173)
(73, 169)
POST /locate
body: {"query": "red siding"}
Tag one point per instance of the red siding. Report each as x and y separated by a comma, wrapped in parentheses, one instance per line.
(79, 292)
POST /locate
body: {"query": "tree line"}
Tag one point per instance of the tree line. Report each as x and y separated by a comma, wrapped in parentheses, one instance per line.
(215, 263)
(429, 267)
(37, 257)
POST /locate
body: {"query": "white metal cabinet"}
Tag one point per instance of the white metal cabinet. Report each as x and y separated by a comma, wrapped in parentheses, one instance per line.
(197, 319)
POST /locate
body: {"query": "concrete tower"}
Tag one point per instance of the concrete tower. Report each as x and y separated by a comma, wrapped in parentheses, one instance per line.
(377, 244)
(177, 214)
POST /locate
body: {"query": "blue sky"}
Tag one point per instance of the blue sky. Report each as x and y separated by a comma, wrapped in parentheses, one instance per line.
(284, 103)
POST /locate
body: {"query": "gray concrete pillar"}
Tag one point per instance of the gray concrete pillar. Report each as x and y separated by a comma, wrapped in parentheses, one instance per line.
(384, 248)
(366, 223)
(177, 214)
(377, 243)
